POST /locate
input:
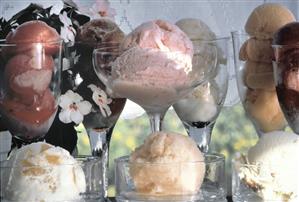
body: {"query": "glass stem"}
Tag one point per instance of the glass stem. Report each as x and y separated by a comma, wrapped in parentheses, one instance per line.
(202, 136)
(99, 142)
(156, 120)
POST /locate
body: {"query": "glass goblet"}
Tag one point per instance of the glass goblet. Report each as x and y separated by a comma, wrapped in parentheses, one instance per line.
(286, 70)
(255, 81)
(29, 87)
(105, 112)
(199, 110)
(160, 82)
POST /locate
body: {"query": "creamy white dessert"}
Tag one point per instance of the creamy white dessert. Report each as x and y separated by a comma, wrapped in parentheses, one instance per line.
(40, 172)
(167, 164)
(274, 172)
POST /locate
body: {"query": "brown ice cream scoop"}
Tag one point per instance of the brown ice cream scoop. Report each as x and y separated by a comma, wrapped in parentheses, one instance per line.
(33, 32)
(264, 108)
(287, 35)
(37, 113)
(100, 31)
(259, 75)
(257, 50)
(28, 77)
(266, 19)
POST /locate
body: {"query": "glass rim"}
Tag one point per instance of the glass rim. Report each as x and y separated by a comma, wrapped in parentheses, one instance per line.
(235, 161)
(216, 158)
(217, 38)
(80, 159)
(285, 46)
(3, 42)
(239, 32)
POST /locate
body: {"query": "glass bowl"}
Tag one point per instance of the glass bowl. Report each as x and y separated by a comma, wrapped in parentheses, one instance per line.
(44, 181)
(212, 189)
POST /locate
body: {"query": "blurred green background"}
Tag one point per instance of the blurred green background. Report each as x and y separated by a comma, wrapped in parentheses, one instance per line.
(233, 132)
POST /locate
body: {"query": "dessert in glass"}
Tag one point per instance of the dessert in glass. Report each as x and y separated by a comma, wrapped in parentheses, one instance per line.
(43, 172)
(286, 67)
(170, 167)
(30, 60)
(269, 171)
(200, 108)
(253, 57)
(104, 35)
(154, 68)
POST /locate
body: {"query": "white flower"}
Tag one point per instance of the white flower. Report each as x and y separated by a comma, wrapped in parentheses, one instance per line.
(101, 8)
(67, 32)
(73, 107)
(101, 99)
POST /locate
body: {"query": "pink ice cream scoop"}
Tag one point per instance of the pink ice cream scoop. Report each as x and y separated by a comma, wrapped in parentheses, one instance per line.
(154, 65)
(28, 76)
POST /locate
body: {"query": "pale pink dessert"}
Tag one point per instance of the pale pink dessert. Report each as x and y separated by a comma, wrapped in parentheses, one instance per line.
(154, 68)
(28, 76)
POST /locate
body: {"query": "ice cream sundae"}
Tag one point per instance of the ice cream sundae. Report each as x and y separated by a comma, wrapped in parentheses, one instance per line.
(42, 172)
(154, 65)
(28, 102)
(258, 74)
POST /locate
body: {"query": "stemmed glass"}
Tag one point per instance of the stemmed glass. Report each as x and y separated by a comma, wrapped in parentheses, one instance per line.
(154, 98)
(199, 110)
(255, 81)
(29, 87)
(105, 112)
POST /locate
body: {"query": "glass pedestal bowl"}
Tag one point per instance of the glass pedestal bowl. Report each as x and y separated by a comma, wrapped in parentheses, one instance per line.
(255, 81)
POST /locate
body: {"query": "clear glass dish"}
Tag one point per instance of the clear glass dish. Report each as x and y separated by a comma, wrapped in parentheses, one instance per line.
(212, 188)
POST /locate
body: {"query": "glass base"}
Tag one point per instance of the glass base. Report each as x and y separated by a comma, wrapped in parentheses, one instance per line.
(207, 194)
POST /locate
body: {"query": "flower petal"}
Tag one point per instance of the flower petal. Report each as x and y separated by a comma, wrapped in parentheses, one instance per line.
(76, 117)
(64, 116)
(65, 101)
(84, 107)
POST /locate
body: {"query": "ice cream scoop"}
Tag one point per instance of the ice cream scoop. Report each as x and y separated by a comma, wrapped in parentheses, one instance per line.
(28, 76)
(167, 164)
(154, 66)
(196, 29)
(267, 19)
(264, 108)
(35, 31)
(257, 50)
(99, 31)
(273, 167)
(42, 172)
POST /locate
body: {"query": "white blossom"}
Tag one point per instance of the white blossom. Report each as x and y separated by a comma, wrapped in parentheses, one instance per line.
(101, 99)
(74, 108)
(67, 32)
(101, 8)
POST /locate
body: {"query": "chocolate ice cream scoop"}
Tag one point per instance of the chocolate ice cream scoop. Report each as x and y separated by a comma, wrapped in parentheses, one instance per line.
(286, 66)
(100, 31)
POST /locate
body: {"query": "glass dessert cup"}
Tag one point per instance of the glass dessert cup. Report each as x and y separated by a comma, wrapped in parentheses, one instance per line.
(255, 81)
(29, 87)
(154, 91)
(261, 182)
(105, 112)
(12, 184)
(199, 110)
(211, 189)
(286, 67)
